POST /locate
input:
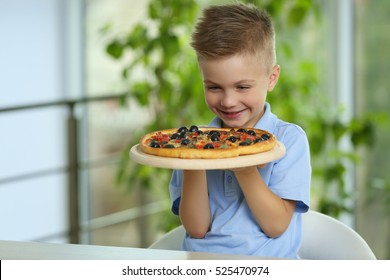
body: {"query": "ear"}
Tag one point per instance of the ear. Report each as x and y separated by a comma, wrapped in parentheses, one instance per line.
(273, 77)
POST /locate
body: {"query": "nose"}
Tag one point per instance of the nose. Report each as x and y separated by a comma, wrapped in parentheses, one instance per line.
(228, 99)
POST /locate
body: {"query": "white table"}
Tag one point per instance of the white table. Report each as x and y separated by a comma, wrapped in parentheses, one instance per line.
(20, 250)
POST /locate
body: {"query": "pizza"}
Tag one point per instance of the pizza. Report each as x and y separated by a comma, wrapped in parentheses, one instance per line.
(207, 142)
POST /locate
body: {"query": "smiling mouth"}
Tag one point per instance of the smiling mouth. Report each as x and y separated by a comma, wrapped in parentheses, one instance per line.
(232, 115)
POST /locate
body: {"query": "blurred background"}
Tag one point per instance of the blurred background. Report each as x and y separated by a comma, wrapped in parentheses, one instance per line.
(82, 80)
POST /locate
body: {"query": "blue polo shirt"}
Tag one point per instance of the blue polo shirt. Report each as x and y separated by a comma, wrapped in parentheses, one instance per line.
(234, 229)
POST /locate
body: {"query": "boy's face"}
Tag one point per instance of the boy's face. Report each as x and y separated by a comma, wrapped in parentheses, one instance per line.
(236, 88)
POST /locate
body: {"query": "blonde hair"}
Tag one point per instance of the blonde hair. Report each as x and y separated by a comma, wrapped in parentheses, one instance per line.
(235, 29)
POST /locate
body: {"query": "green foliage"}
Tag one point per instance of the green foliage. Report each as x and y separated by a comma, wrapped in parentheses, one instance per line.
(170, 87)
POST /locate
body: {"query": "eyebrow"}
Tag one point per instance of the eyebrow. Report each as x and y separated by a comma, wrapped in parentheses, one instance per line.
(245, 81)
(236, 83)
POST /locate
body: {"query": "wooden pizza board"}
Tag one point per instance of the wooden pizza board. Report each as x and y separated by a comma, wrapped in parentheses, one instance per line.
(207, 164)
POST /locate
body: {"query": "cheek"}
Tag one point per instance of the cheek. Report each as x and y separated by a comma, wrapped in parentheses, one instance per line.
(254, 101)
(211, 99)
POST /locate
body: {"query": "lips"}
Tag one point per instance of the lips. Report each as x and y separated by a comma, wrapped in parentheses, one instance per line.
(231, 115)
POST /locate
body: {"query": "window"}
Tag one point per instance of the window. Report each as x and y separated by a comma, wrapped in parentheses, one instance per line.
(372, 98)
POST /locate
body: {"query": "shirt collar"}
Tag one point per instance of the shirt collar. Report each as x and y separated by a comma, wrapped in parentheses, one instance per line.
(268, 120)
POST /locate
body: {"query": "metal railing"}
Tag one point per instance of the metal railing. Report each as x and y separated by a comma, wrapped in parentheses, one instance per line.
(72, 169)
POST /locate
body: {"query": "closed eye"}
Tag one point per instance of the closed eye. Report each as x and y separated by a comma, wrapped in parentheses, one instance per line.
(213, 88)
(243, 87)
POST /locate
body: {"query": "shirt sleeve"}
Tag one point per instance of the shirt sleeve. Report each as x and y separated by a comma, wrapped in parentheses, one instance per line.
(175, 190)
(291, 175)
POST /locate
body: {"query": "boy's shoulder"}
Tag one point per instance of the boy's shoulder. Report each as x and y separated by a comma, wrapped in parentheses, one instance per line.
(289, 127)
(290, 134)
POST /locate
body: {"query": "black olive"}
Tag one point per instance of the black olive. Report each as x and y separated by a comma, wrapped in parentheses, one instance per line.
(241, 130)
(194, 128)
(183, 134)
(185, 142)
(251, 132)
(169, 146)
(214, 132)
(232, 139)
(258, 139)
(265, 136)
(183, 128)
(214, 137)
(154, 144)
(208, 146)
(175, 136)
(245, 143)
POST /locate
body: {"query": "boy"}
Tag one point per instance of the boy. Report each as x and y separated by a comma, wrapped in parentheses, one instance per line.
(253, 210)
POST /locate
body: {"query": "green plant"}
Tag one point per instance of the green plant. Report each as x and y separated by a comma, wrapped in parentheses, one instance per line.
(170, 87)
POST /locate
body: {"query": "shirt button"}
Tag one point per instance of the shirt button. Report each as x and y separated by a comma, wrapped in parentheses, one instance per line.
(229, 179)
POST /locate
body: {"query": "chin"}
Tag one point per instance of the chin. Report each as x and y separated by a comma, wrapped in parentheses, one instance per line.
(234, 122)
(230, 123)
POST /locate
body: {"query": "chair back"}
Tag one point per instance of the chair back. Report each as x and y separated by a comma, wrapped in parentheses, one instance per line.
(171, 240)
(323, 238)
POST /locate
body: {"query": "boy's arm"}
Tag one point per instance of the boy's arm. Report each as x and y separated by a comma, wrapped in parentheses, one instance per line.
(271, 212)
(194, 209)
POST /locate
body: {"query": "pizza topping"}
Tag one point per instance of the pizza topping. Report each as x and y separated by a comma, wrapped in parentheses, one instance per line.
(232, 139)
(251, 132)
(175, 136)
(203, 142)
(185, 142)
(182, 129)
(265, 136)
(214, 132)
(193, 128)
(196, 138)
(214, 137)
(208, 146)
(183, 134)
(245, 143)
(154, 144)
